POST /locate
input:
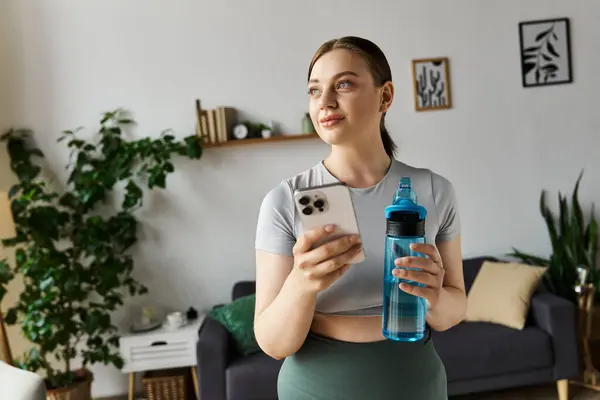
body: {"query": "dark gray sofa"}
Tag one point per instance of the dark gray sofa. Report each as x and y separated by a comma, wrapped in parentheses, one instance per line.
(478, 356)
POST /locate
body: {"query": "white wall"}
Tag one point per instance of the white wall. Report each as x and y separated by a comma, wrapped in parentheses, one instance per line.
(67, 61)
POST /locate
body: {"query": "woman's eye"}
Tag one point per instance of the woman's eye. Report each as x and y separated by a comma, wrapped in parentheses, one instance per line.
(344, 84)
(313, 91)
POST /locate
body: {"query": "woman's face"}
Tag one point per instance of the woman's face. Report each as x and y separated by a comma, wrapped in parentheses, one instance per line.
(345, 106)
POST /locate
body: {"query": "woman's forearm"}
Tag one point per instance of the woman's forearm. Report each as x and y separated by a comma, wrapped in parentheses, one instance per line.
(449, 310)
(282, 327)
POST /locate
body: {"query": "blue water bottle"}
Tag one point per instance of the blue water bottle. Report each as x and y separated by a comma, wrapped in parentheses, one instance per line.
(403, 314)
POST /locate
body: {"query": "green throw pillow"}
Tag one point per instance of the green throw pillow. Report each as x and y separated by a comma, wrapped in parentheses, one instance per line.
(238, 318)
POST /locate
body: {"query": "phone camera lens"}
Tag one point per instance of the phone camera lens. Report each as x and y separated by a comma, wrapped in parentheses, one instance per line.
(304, 200)
(320, 209)
(319, 203)
(307, 210)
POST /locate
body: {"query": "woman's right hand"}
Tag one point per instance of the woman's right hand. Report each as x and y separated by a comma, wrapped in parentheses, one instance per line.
(318, 268)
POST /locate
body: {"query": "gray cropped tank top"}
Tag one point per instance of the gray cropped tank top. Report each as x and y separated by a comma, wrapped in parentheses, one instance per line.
(359, 291)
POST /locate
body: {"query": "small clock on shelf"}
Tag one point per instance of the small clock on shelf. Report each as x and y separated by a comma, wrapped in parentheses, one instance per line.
(241, 131)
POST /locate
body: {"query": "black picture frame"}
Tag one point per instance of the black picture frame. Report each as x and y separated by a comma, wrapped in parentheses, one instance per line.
(545, 50)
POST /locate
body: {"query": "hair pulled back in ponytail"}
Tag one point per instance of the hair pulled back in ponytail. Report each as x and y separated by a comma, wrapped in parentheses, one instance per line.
(378, 65)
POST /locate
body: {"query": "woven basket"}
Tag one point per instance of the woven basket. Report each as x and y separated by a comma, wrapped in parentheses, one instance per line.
(81, 390)
(166, 384)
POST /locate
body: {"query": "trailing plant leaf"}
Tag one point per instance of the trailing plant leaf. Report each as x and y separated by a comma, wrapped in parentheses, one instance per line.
(75, 259)
(6, 275)
(574, 244)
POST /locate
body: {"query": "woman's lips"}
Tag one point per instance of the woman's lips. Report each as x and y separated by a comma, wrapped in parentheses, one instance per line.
(331, 120)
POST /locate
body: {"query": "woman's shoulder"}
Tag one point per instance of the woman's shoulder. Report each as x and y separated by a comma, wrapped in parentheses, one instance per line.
(437, 180)
(310, 177)
(439, 189)
(281, 193)
(428, 180)
(276, 228)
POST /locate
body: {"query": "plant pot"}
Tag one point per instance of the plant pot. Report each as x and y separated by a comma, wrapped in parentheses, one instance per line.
(80, 390)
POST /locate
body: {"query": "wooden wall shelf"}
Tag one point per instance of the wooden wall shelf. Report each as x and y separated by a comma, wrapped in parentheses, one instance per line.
(279, 138)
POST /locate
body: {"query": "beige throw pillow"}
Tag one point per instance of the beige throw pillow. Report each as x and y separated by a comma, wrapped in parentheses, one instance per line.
(501, 293)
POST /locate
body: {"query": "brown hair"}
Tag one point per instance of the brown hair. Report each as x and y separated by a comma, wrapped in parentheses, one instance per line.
(378, 65)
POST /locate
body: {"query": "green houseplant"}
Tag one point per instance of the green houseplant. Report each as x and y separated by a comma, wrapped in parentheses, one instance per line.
(574, 240)
(73, 247)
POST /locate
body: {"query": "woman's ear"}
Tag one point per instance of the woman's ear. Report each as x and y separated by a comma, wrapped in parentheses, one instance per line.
(387, 96)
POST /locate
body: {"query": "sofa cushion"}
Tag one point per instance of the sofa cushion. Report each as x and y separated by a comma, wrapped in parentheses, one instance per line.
(471, 267)
(238, 318)
(243, 288)
(472, 350)
(502, 293)
(253, 377)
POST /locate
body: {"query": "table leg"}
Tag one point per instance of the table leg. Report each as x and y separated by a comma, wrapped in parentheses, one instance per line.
(195, 380)
(131, 385)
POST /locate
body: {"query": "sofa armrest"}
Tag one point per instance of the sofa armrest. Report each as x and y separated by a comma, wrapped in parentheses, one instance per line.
(213, 350)
(558, 318)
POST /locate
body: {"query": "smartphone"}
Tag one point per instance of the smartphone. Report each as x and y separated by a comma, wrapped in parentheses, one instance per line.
(328, 204)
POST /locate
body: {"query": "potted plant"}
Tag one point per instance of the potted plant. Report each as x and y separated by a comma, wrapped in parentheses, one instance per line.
(73, 247)
(574, 240)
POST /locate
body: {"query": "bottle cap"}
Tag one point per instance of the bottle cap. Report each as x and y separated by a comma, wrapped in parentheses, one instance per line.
(405, 217)
(405, 224)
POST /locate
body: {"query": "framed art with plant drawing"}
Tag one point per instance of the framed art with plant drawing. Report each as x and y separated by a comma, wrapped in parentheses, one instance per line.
(545, 52)
(431, 81)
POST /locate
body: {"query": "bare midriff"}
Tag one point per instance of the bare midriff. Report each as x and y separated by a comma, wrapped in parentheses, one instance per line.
(348, 328)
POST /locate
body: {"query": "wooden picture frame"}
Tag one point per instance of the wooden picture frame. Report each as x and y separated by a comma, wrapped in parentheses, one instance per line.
(545, 49)
(431, 82)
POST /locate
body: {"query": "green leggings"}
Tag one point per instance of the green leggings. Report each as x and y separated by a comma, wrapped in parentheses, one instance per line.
(329, 369)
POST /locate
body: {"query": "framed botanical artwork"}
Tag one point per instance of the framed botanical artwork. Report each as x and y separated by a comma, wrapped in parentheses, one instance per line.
(431, 79)
(545, 52)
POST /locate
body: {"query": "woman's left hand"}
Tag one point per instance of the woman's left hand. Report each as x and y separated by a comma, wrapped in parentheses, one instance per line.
(431, 273)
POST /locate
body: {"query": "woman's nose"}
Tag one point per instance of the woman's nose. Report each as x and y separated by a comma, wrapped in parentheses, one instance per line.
(328, 99)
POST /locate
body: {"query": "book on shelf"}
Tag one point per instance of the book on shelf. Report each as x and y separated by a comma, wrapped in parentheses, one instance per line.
(215, 125)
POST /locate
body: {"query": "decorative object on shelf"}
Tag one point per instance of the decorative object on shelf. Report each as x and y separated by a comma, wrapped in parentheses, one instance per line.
(307, 124)
(267, 130)
(266, 133)
(574, 240)
(545, 52)
(73, 246)
(215, 126)
(241, 131)
(431, 80)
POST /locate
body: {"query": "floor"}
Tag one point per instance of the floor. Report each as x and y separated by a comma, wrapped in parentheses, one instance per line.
(545, 392)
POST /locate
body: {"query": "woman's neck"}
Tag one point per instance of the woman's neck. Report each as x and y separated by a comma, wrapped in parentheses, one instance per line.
(358, 167)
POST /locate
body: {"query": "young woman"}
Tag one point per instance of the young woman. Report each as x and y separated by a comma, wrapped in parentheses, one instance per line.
(315, 310)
